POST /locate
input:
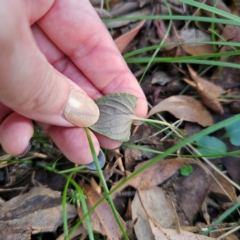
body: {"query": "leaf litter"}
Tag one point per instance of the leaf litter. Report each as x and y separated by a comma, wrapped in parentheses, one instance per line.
(159, 203)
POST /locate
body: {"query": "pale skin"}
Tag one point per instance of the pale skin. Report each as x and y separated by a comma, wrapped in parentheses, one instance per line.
(47, 48)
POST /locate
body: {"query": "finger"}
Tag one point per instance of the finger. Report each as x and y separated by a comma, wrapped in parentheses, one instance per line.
(91, 48)
(43, 94)
(106, 142)
(62, 63)
(15, 134)
(73, 143)
(4, 112)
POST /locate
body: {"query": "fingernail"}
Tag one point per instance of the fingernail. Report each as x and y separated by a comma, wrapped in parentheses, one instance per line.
(26, 152)
(81, 110)
(101, 160)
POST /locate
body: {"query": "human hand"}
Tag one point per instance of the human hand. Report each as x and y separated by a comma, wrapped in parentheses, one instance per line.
(66, 53)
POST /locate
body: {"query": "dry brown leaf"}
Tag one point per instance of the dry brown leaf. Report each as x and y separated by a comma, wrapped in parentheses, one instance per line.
(218, 191)
(123, 8)
(161, 233)
(191, 191)
(95, 186)
(185, 108)
(39, 210)
(157, 205)
(81, 231)
(123, 41)
(155, 174)
(197, 36)
(161, 32)
(208, 91)
(102, 218)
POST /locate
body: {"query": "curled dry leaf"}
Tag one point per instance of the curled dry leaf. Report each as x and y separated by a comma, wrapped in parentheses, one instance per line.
(116, 115)
(208, 91)
(185, 108)
(102, 218)
(123, 41)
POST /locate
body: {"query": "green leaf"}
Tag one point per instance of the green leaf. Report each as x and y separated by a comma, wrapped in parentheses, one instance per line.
(186, 170)
(210, 145)
(116, 115)
(233, 132)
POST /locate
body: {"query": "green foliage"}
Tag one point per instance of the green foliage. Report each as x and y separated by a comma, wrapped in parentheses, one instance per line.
(233, 132)
(208, 145)
(186, 170)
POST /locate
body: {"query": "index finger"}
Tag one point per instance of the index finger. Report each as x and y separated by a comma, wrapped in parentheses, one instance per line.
(76, 29)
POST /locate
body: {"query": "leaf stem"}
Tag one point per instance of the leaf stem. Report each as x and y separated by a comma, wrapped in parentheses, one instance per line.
(147, 120)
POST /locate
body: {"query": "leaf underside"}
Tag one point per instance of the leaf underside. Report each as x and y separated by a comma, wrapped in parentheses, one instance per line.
(116, 115)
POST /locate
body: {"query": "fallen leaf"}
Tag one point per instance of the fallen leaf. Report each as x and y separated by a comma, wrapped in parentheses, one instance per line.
(123, 8)
(161, 32)
(116, 115)
(123, 41)
(39, 210)
(157, 205)
(191, 192)
(81, 231)
(196, 36)
(161, 78)
(222, 196)
(102, 13)
(208, 91)
(102, 218)
(232, 165)
(156, 174)
(161, 233)
(185, 108)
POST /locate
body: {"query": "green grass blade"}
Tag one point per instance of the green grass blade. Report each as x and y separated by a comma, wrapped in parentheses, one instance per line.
(211, 9)
(64, 206)
(146, 49)
(160, 45)
(177, 17)
(104, 184)
(222, 217)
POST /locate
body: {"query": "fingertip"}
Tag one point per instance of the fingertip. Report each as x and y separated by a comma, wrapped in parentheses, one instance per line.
(107, 143)
(15, 134)
(73, 143)
(142, 107)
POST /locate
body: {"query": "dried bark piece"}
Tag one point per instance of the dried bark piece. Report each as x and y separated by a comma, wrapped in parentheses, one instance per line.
(185, 108)
(39, 210)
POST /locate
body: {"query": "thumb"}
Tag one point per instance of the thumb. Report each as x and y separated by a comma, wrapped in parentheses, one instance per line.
(32, 87)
